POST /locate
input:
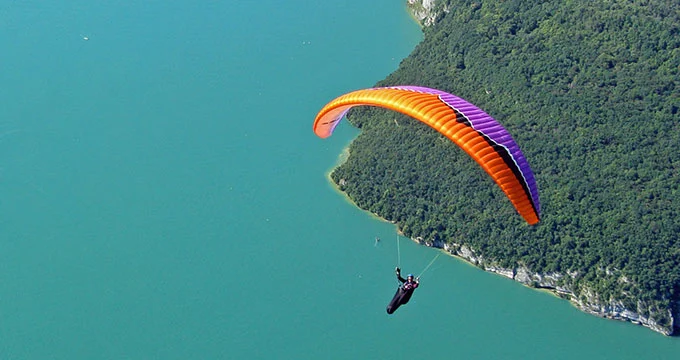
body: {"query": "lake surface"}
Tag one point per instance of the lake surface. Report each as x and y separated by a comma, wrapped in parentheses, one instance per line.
(163, 196)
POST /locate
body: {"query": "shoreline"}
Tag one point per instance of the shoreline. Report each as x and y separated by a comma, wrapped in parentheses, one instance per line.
(466, 255)
(342, 158)
(412, 15)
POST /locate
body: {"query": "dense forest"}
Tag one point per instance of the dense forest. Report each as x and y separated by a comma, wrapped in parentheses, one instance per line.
(589, 90)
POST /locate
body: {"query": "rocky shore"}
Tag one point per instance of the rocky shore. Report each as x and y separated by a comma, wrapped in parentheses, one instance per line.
(584, 299)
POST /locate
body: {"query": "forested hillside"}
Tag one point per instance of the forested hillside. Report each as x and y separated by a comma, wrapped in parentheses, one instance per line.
(589, 90)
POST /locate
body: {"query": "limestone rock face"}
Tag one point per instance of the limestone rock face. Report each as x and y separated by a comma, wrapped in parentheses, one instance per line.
(425, 11)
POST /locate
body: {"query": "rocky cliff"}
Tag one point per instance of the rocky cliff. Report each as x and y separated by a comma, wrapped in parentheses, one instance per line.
(566, 287)
(426, 12)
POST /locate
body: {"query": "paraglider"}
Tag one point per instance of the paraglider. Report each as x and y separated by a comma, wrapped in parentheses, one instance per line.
(404, 292)
(477, 133)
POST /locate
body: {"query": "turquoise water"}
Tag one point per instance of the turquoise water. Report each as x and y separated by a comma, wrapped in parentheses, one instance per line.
(163, 197)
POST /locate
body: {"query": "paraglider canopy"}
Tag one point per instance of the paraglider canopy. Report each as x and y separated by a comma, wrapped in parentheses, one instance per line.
(477, 133)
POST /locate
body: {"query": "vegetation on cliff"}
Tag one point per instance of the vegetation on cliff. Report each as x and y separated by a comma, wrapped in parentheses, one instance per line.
(590, 92)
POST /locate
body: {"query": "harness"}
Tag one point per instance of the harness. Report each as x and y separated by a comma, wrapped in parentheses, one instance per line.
(409, 285)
